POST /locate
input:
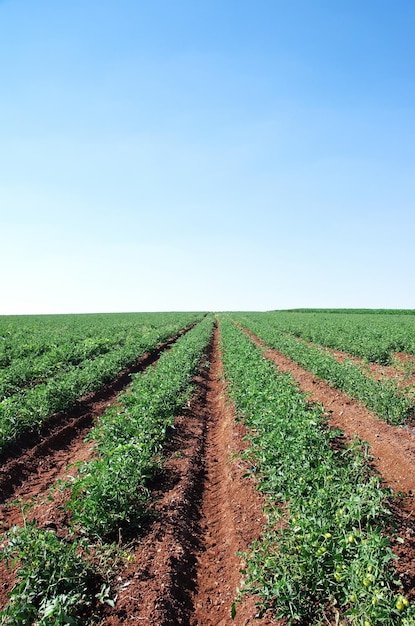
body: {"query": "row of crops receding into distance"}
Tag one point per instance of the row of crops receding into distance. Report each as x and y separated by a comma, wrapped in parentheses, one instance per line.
(271, 453)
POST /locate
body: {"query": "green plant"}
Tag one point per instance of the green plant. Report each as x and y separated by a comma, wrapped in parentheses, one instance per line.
(75, 355)
(54, 583)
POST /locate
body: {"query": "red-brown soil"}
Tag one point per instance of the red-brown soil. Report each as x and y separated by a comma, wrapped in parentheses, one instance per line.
(405, 358)
(231, 513)
(392, 450)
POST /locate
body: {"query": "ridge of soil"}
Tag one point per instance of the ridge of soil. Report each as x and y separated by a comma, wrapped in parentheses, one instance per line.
(38, 457)
(231, 514)
(186, 569)
(392, 450)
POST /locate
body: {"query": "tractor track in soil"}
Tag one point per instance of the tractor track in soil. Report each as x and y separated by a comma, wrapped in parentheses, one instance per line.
(391, 449)
(186, 570)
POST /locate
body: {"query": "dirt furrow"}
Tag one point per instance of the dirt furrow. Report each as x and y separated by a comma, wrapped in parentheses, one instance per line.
(231, 513)
(156, 586)
(186, 569)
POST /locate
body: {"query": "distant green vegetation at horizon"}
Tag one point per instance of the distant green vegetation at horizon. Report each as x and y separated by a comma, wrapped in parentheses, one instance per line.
(370, 311)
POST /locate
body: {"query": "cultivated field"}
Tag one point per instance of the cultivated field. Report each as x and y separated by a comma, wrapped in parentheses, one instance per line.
(201, 469)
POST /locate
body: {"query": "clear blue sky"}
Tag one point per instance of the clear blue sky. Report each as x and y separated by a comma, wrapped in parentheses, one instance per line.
(206, 154)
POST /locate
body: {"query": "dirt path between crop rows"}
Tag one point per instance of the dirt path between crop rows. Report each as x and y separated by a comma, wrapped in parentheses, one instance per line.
(392, 449)
(186, 570)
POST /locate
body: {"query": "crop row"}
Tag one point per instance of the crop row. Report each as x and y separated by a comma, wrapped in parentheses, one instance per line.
(30, 371)
(56, 582)
(32, 336)
(33, 349)
(371, 336)
(27, 410)
(324, 553)
(381, 396)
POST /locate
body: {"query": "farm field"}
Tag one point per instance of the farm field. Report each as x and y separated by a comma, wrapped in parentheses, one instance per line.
(191, 468)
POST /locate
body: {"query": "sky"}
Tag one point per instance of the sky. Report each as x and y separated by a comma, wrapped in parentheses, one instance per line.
(206, 155)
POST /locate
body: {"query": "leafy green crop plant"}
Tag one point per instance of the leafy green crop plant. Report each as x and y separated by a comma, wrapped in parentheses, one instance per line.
(55, 585)
(371, 335)
(324, 554)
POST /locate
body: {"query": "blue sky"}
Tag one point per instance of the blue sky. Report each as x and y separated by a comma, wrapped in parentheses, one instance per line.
(206, 155)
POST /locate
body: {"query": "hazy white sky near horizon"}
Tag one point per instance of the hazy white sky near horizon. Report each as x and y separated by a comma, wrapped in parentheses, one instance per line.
(206, 155)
